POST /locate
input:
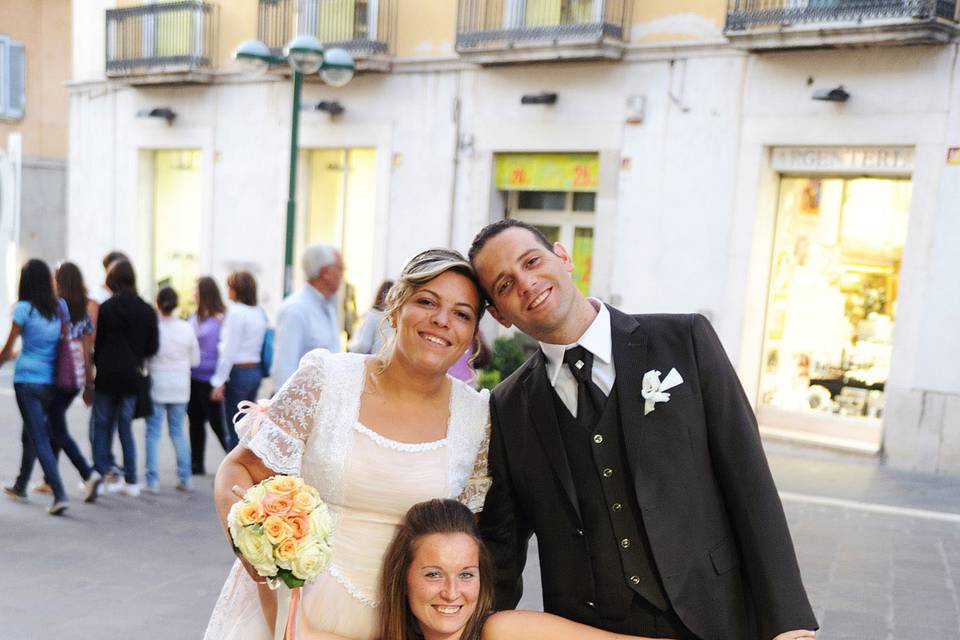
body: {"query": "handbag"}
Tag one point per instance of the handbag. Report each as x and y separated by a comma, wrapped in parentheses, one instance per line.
(144, 404)
(266, 349)
(70, 371)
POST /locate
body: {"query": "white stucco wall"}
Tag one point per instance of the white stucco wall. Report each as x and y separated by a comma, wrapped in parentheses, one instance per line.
(686, 201)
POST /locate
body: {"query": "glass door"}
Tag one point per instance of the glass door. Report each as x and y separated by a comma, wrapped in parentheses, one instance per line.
(832, 304)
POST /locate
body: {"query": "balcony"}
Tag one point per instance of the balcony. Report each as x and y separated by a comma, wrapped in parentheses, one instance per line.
(162, 43)
(498, 31)
(793, 24)
(362, 27)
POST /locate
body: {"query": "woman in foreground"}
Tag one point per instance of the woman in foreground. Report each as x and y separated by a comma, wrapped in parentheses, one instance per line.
(438, 583)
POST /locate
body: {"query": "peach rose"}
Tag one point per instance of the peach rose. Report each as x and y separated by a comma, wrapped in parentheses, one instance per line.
(276, 504)
(305, 500)
(285, 552)
(276, 529)
(300, 526)
(286, 485)
(250, 513)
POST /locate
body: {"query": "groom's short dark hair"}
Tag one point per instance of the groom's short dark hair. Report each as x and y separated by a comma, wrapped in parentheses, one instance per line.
(495, 228)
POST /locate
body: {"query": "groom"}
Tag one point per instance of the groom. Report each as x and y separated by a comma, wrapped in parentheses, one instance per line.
(627, 445)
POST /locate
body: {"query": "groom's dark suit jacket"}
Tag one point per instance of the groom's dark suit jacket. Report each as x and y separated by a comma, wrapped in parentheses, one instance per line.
(709, 506)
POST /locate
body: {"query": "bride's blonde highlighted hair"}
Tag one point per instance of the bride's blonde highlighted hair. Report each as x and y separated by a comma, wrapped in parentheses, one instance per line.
(420, 270)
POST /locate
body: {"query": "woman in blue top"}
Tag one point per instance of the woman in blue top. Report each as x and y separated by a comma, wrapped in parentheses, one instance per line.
(37, 323)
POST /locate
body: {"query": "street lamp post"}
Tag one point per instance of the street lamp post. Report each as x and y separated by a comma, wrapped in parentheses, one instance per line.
(306, 56)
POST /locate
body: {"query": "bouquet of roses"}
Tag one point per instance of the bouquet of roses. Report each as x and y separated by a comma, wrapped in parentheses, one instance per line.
(282, 527)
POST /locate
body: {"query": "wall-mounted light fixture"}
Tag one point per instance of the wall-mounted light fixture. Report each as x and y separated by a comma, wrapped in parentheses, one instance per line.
(332, 107)
(837, 94)
(543, 97)
(166, 113)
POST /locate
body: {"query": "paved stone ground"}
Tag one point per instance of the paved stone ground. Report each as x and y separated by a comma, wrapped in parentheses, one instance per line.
(152, 567)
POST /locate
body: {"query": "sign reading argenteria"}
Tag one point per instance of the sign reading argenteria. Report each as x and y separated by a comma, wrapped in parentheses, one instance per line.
(844, 160)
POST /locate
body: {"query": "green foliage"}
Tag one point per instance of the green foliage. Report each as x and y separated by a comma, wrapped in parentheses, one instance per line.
(507, 357)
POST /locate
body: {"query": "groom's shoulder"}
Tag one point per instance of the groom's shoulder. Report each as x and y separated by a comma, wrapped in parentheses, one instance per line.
(660, 323)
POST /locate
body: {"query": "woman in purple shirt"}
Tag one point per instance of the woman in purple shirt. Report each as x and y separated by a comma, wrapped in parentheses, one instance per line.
(206, 323)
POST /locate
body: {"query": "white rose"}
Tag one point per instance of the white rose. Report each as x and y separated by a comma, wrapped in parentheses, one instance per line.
(232, 525)
(321, 523)
(256, 550)
(311, 559)
(255, 493)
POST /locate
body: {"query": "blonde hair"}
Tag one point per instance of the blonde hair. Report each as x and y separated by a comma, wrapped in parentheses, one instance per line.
(421, 269)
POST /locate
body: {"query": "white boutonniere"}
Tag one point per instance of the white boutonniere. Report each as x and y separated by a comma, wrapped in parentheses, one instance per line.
(655, 391)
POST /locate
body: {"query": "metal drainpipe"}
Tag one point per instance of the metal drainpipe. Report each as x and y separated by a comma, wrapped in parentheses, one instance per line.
(456, 161)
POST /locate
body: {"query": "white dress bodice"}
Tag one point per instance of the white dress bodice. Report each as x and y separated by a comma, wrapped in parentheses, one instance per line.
(311, 428)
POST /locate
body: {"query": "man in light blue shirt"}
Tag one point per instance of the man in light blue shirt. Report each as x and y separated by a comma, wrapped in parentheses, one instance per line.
(308, 318)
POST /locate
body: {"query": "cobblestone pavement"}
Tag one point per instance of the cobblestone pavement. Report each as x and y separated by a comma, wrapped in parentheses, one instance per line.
(879, 550)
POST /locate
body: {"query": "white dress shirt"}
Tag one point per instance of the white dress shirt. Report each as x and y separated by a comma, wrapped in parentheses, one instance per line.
(597, 340)
(241, 339)
(170, 367)
(307, 320)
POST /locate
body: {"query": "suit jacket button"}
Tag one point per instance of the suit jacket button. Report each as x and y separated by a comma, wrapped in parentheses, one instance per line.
(616, 506)
(598, 438)
(607, 472)
(579, 532)
(625, 543)
(634, 579)
(590, 604)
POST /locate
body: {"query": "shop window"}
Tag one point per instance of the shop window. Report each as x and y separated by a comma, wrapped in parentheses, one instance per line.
(538, 200)
(341, 211)
(833, 295)
(177, 196)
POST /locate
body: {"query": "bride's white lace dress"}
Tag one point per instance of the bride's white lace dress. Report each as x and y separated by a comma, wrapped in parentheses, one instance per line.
(311, 428)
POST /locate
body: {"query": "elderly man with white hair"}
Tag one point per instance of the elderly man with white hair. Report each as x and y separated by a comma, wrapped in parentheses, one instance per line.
(308, 318)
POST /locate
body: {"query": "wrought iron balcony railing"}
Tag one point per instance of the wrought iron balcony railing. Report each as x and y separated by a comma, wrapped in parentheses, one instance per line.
(504, 24)
(161, 38)
(362, 27)
(743, 15)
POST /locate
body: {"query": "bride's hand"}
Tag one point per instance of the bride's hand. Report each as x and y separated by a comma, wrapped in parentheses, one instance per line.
(800, 634)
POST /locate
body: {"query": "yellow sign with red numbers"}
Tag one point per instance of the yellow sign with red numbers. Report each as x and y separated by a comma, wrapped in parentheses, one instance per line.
(547, 171)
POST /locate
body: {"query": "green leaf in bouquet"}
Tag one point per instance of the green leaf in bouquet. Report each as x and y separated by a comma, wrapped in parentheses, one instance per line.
(289, 579)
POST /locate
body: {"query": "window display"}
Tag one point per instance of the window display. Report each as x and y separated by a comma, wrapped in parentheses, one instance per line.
(833, 294)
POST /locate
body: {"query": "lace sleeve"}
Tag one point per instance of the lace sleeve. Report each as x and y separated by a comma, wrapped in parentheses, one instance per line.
(276, 431)
(475, 491)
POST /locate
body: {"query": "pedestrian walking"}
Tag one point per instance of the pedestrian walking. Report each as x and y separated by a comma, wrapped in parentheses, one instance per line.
(206, 323)
(79, 328)
(127, 334)
(170, 389)
(98, 296)
(238, 373)
(37, 322)
(373, 331)
(308, 319)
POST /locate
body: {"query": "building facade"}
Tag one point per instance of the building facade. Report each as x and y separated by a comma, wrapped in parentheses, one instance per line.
(789, 171)
(34, 110)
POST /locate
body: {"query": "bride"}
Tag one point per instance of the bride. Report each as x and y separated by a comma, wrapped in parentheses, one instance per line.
(374, 435)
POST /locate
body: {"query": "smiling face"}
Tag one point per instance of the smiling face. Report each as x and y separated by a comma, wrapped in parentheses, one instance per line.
(437, 322)
(529, 284)
(443, 584)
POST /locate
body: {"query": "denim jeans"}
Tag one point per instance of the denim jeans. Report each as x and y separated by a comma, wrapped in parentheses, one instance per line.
(60, 439)
(242, 385)
(175, 415)
(108, 412)
(35, 401)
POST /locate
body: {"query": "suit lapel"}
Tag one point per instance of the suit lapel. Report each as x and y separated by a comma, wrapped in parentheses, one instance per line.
(543, 416)
(629, 353)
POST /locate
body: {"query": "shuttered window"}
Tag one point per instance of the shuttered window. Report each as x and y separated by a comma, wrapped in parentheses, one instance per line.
(13, 72)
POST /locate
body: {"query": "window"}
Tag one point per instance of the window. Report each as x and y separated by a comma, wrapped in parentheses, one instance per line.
(12, 75)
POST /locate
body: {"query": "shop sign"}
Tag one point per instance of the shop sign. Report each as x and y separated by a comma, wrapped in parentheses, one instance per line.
(547, 171)
(844, 160)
